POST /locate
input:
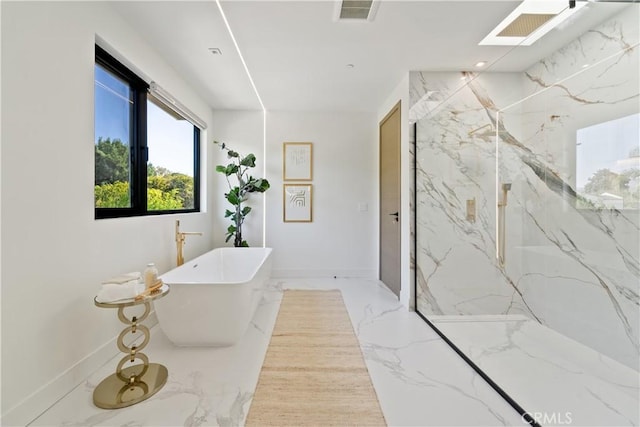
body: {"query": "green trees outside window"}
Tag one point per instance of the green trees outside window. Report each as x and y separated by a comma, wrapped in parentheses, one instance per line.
(166, 190)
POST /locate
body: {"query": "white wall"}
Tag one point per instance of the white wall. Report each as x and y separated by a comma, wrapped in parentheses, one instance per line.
(401, 93)
(54, 253)
(341, 241)
(243, 131)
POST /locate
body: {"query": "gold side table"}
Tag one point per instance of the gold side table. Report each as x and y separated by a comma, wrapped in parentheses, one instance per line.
(138, 382)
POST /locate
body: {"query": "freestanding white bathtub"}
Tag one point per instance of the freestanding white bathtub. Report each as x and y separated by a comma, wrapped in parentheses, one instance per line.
(213, 297)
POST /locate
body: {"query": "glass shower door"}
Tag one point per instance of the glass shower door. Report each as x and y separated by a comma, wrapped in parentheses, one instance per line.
(568, 237)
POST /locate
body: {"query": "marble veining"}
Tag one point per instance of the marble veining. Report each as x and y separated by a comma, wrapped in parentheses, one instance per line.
(593, 389)
(419, 380)
(573, 270)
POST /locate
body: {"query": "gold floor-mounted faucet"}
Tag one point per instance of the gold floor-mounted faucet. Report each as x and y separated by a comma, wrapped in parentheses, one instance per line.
(180, 238)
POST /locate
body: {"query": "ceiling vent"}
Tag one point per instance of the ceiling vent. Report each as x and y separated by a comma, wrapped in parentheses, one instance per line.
(525, 24)
(355, 10)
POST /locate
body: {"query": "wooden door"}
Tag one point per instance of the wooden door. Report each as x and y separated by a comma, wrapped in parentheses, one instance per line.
(390, 200)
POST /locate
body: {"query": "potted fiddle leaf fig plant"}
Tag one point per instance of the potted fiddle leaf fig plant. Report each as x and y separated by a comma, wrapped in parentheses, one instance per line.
(239, 191)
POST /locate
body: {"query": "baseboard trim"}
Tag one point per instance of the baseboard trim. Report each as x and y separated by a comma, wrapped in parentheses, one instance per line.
(337, 274)
(34, 405)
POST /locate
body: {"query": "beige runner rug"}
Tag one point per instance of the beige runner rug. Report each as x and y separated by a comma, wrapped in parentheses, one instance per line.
(313, 372)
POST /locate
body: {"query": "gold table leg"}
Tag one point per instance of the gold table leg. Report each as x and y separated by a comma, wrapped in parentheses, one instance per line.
(128, 386)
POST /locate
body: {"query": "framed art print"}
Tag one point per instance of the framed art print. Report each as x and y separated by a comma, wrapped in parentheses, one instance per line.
(297, 203)
(297, 161)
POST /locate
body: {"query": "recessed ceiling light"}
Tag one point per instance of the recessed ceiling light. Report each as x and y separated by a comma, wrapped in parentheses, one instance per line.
(350, 65)
(481, 64)
(215, 51)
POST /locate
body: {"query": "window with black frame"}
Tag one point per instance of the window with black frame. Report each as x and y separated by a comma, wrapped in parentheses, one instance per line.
(146, 152)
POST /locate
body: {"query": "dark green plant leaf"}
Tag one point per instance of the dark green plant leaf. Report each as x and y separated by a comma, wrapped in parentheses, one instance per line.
(261, 185)
(253, 186)
(221, 169)
(246, 210)
(231, 229)
(232, 154)
(231, 169)
(233, 197)
(249, 160)
(228, 213)
(244, 244)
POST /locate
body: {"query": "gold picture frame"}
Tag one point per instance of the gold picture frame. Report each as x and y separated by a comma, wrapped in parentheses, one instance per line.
(297, 159)
(297, 202)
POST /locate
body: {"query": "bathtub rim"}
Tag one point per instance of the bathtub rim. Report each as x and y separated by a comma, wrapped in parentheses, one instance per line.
(267, 251)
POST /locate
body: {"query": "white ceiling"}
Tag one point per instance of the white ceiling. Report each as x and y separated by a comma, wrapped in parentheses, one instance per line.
(298, 56)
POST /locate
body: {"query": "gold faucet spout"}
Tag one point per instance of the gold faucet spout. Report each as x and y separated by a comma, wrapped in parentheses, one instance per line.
(180, 242)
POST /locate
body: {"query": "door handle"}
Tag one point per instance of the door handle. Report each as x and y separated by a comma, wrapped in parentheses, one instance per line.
(395, 215)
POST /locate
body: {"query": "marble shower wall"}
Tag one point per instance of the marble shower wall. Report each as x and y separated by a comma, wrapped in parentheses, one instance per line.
(574, 270)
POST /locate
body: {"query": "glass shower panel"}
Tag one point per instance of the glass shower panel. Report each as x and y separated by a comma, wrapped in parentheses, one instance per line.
(528, 221)
(455, 174)
(568, 232)
(571, 221)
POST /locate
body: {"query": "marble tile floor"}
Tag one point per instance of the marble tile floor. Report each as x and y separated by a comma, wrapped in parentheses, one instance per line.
(419, 380)
(546, 372)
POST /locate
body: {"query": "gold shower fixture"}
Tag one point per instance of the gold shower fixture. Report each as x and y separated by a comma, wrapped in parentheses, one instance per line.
(502, 204)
